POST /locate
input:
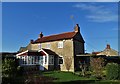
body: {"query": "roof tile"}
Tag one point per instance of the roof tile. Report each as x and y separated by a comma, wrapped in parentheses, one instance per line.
(61, 36)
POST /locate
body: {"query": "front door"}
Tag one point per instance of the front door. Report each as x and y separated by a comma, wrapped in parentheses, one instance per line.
(41, 67)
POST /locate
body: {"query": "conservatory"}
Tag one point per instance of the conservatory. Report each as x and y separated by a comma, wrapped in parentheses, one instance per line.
(44, 58)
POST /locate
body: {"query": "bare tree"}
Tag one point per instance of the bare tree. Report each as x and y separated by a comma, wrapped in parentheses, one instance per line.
(97, 65)
(68, 62)
(83, 67)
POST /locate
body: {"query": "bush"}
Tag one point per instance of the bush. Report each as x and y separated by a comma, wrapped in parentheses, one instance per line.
(20, 70)
(113, 71)
(97, 67)
(9, 68)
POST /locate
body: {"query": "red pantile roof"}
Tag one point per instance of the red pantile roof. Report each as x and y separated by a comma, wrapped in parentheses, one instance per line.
(61, 36)
(95, 53)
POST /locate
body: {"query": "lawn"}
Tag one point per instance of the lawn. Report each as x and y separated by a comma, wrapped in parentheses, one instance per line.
(69, 77)
(63, 76)
(57, 77)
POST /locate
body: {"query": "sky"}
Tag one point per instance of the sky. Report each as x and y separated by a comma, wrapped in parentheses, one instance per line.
(23, 21)
(60, 0)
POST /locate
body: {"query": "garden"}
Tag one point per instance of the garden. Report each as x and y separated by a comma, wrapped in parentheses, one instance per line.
(97, 73)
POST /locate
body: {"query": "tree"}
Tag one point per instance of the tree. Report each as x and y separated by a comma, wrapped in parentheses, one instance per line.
(97, 66)
(9, 68)
(68, 62)
(83, 67)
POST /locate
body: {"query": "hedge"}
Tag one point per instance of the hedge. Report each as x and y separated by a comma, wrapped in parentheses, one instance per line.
(113, 71)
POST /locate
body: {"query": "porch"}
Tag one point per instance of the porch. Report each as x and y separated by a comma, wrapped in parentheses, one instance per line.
(37, 60)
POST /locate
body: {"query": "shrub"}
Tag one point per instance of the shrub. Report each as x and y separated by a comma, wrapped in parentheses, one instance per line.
(113, 71)
(97, 66)
(9, 68)
(20, 71)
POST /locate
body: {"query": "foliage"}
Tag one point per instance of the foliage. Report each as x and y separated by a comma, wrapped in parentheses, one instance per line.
(68, 62)
(9, 68)
(113, 71)
(97, 66)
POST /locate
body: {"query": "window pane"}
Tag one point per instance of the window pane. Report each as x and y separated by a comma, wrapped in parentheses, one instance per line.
(30, 60)
(60, 60)
(21, 60)
(51, 59)
(33, 59)
(45, 59)
(25, 59)
(60, 44)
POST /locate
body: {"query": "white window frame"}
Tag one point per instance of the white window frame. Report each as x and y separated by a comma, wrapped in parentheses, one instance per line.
(50, 59)
(48, 45)
(59, 58)
(60, 44)
(25, 60)
(21, 60)
(45, 60)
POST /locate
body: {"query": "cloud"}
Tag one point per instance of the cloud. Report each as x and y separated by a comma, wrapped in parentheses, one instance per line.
(98, 13)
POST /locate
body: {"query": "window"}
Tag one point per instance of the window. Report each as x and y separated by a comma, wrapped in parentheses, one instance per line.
(36, 59)
(45, 59)
(51, 59)
(41, 60)
(48, 46)
(25, 60)
(21, 60)
(60, 60)
(60, 44)
(28, 59)
(33, 57)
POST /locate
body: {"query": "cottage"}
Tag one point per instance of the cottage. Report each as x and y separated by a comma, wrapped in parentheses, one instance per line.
(53, 52)
(108, 51)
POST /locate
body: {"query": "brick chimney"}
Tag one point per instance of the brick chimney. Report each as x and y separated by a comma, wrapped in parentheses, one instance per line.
(40, 35)
(77, 28)
(108, 46)
(31, 41)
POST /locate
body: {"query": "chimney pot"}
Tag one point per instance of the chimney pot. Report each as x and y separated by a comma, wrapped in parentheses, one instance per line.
(31, 41)
(108, 46)
(41, 35)
(77, 28)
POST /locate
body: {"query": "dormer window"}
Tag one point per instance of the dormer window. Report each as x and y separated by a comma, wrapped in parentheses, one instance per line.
(60, 44)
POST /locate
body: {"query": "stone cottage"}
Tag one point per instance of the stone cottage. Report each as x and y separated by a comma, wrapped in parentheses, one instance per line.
(54, 52)
(108, 51)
